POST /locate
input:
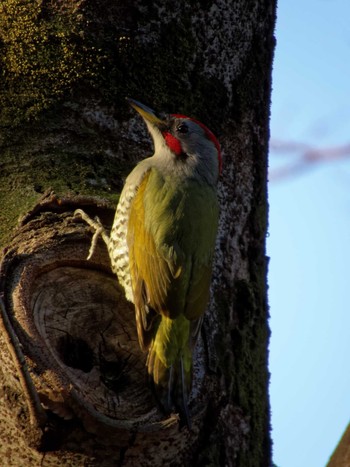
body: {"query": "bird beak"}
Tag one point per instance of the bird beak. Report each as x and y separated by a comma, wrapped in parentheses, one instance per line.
(146, 113)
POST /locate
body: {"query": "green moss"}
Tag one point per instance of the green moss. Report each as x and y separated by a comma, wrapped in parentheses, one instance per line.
(43, 55)
(64, 173)
(53, 50)
(52, 154)
(11, 208)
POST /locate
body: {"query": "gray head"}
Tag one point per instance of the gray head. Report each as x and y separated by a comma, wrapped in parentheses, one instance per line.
(183, 144)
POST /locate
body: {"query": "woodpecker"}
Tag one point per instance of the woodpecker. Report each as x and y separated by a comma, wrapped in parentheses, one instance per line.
(162, 244)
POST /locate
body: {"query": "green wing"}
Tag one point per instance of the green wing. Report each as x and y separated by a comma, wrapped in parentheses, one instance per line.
(171, 237)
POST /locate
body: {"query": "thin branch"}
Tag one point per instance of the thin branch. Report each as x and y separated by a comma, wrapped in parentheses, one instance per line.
(308, 157)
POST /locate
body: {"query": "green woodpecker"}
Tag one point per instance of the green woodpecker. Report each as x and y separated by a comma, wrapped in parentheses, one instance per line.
(162, 244)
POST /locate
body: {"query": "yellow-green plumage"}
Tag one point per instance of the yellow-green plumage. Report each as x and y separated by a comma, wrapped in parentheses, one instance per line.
(171, 235)
(162, 244)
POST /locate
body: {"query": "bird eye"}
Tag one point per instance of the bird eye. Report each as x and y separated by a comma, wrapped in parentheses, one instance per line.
(182, 128)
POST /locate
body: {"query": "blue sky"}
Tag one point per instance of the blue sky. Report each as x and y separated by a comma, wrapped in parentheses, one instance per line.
(309, 235)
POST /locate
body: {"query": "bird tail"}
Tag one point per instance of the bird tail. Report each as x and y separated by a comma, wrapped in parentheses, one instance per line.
(169, 365)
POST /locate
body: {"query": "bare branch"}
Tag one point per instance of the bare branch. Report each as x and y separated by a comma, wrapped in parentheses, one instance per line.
(308, 156)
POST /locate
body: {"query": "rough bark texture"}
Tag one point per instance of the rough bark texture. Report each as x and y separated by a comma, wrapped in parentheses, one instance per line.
(69, 395)
(341, 454)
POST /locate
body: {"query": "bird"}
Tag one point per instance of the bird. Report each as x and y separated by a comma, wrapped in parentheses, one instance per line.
(162, 245)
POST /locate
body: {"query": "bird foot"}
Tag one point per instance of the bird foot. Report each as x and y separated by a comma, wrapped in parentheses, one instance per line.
(98, 228)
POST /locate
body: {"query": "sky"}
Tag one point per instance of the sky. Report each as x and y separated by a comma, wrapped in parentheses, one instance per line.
(309, 234)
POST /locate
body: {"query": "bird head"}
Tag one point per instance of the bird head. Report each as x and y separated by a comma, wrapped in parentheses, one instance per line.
(184, 141)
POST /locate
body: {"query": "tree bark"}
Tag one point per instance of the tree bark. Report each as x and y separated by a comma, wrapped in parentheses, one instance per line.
(72, 382)
(341, 454)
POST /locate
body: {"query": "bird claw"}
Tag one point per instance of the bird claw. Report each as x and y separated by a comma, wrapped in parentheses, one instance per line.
(173, 419)
(99, 230)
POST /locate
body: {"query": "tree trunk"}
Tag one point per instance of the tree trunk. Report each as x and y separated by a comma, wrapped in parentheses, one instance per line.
(72, 378)
(341, 454)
